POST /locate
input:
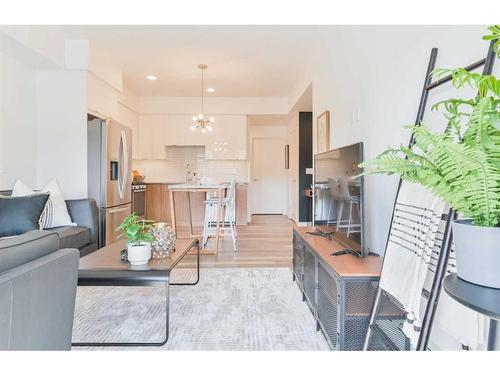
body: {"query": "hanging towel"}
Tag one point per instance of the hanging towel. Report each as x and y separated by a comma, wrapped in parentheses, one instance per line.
(411, 250)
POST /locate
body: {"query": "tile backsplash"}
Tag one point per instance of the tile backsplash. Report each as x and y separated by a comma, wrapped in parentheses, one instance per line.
(180, 159)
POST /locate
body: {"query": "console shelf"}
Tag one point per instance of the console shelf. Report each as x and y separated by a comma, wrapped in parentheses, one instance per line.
(339, 290)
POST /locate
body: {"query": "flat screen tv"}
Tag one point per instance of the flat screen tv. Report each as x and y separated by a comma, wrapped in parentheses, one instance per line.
(338, 197)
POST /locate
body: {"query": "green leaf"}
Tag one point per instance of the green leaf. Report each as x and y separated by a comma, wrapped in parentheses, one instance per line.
(135, 230)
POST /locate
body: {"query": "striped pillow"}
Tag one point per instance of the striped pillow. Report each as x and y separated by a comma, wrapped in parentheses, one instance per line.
(55, 213)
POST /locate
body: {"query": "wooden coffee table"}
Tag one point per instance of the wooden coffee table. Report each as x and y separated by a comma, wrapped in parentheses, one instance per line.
(104, 267)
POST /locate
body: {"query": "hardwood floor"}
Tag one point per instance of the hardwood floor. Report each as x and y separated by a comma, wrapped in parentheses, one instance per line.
(265, 242)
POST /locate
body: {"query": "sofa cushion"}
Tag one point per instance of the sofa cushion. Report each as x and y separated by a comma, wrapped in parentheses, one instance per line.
(72, 237)
(56, 212)
(19, 215)
(26, 247)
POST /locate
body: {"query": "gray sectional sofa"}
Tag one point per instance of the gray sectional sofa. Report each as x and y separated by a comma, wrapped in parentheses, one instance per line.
(38, 279)
(82, 237)
(37, 292)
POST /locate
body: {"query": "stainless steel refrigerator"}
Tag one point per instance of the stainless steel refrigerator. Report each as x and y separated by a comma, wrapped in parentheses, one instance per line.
(109, 148)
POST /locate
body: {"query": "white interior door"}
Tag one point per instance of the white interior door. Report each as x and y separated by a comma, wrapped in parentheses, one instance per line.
(269, 182)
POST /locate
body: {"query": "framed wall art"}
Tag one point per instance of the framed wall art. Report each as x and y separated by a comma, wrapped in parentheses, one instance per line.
(323, 132)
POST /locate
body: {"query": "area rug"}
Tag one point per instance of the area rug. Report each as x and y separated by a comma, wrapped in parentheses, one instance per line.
(229, 309)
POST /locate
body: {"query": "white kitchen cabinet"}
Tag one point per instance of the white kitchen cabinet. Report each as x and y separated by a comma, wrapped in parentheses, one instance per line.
(101, 98)
(129, 118)
(159, 139)
(228, 140)
(178, 131)
(144, 138)
(152, 136)
(135, 141)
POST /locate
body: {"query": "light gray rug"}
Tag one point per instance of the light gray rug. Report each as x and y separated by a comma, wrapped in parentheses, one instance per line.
(230, 309)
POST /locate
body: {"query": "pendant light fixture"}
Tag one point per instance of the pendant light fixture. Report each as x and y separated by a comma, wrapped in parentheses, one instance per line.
(200, 120)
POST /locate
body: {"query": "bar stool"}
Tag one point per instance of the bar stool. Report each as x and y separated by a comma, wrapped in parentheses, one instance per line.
(337, 199)
(339, 190)
(228, 225)
(352, 200)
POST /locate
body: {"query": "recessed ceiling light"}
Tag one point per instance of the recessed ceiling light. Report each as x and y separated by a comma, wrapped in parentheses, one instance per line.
(152, 77)
(210, 89)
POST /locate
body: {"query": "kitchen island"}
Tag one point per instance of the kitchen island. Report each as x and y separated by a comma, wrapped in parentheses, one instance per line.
(215, 190)
(158, 206)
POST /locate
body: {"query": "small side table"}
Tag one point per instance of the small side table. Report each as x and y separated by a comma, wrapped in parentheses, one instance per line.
(479, 298)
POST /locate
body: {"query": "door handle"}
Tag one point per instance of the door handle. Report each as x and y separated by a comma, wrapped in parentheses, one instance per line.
(256, 179)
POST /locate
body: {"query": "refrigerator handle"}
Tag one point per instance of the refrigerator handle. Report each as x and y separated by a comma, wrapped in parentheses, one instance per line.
(122, 171)
(117, 210)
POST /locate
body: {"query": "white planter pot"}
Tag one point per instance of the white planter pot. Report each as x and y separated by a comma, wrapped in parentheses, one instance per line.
(139, 255)
(477, 251)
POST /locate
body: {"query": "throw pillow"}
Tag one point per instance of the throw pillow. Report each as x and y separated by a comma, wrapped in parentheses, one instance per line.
(19, 215)
(56, 212)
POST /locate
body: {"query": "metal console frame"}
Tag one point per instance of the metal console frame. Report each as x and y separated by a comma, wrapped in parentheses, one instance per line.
(143, 278)
(340, 282)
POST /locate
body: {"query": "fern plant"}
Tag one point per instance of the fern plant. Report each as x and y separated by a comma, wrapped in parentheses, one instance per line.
(462, 164)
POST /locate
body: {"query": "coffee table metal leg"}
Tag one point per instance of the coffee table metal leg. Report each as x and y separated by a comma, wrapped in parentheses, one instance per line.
(197, 267)
(155, 343)
(167, 309)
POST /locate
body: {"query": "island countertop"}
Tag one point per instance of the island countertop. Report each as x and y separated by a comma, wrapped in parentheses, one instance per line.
(166, 182)
(192, 186)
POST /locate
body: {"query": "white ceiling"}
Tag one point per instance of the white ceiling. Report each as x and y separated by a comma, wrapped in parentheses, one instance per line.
(242, 60)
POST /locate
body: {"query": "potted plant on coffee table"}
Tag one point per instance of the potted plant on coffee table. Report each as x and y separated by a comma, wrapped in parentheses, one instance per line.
(462, 166)
(138, 235)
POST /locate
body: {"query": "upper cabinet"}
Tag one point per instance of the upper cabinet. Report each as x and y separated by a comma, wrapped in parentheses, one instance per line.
(227, 141)
(107, 102)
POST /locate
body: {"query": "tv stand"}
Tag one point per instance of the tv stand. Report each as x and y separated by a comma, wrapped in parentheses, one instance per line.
(339, 252)
(339, 290)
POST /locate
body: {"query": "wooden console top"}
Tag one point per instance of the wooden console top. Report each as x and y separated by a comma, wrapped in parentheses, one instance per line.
(345, 265)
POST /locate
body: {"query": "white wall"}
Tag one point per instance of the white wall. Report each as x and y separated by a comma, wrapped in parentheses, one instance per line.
(61, 130)
(378, 72)
(48, 43)
(43, 107)
(17, 122)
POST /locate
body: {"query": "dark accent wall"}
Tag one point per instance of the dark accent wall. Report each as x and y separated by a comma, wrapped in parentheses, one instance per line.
(305, 161)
